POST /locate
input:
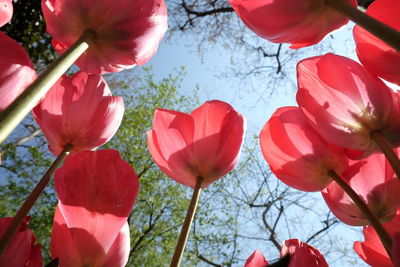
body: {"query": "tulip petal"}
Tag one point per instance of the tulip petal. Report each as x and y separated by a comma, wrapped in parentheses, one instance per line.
(301, 23)
(302, 254)
(343, 102)
(374, 181)
(117, 46)
(6, 11)
(81, 111)
(118, 254)
(296, 154)
(108, 187)
(372, 250)
(204, 144)
(16, 70)
(21, 251)
(378, 57)
(256, 259)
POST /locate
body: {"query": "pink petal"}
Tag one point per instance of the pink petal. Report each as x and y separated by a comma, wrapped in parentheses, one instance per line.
(79, 110)
(118, 255)
(372, 250)
(302, 254)
(204, 144)
(301, 23)
(108, 187)
(378, 57)
(6, 11)
(21, 250)
(73, 246)
(256, 259)
(117, 47)
(374, 181)
(16, 70)
(343, 102)
(296, 154)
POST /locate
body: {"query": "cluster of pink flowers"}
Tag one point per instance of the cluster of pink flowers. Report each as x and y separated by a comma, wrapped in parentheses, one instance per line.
(331, 142)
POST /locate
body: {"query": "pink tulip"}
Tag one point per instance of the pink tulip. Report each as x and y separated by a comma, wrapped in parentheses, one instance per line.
(6, 11)
(127, 32)
(16, 70)
(22, 250)
(205, 143)
(300, 23)
(378, 57)
(345, 103)
(374, 181)
(371, 249)
(256, 259)
(296, 154)
(81, 111)
(96, 192)
(302, 254)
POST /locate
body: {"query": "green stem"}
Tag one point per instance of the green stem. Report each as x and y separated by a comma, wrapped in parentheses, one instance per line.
(382, 31)
(180, 246)
(23, 211)
(16, 111)
(387, 149)
(382, 233)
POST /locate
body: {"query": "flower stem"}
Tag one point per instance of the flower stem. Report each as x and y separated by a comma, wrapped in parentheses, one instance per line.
(387, 149)
(16, 111)
(30, 201)
(180, 246)
(382, 31)
(382, 233)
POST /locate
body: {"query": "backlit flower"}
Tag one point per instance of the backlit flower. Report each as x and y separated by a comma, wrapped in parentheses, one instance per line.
(205, 143)
(127, 31)
(79, 110)
(300, 23)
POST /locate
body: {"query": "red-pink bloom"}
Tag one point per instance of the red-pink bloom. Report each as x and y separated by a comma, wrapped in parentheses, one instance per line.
(79, 110)
(16, 70)
(374, 181)
(256, 259)
(205, 143)
(127, 32)
(371, 249)
(96, 192)
(345, 103)
(378, 57)
(300, 23)
(22, 250)
(302, 254)
(295, 152)
(6, 11)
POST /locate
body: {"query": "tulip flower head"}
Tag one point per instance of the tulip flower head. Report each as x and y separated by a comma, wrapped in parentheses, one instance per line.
(302, 254)
(371, 249)
(374, 181)
(378, 57)
(345, 103)
(256, 259)
(295, 152)
(96, 192)
(79, 110)
(16, 70)
(6, 11)
(127, 32)
(22, 250)
(300, 23)
(205, 143)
